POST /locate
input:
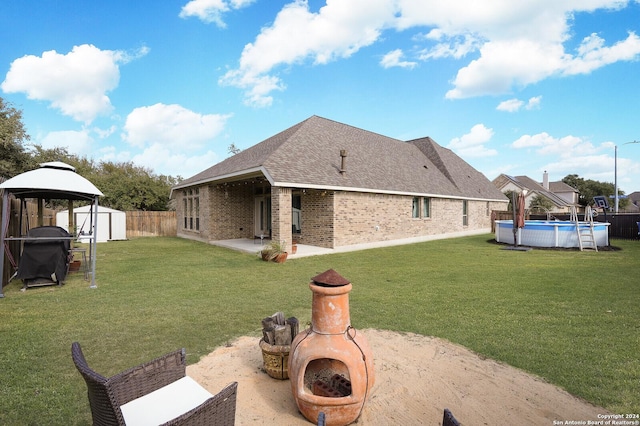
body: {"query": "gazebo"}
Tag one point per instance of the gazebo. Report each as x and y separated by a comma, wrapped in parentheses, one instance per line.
(53, 180)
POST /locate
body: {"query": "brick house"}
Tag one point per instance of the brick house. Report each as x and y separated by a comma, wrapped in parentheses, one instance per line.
(562, 196)
(327, 184)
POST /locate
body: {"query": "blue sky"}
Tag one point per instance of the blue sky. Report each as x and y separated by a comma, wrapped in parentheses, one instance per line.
(515, 87)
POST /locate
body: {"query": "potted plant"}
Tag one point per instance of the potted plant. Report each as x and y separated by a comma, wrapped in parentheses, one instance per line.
(274, 251)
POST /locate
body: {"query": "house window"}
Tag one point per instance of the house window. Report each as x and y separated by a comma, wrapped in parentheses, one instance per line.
(426, 207)
(415, 209)
(191, 207)
(185, 210)
(296, 214)
(465, 213)
(196, 201)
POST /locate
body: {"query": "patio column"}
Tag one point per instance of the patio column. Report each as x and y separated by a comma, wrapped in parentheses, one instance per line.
(281, 215)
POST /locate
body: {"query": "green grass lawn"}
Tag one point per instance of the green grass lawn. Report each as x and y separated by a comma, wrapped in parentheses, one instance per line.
(570, 317)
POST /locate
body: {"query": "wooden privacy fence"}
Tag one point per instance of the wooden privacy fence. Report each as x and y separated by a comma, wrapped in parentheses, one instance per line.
(151, 224)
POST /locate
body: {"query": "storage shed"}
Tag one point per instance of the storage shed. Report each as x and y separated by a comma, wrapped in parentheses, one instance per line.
(112, 224)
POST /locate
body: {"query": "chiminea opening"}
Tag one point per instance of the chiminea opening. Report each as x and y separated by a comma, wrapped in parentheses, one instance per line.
(327, 377)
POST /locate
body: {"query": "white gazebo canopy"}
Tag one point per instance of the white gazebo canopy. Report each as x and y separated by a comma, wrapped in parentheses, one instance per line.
(53, 180)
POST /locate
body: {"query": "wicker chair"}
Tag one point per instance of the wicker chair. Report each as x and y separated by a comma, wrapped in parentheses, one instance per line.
(448, 419)
(158, 389)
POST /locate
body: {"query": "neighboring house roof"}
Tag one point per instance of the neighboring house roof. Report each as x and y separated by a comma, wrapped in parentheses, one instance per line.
(307, 155)
(560, 186)
(526, 182)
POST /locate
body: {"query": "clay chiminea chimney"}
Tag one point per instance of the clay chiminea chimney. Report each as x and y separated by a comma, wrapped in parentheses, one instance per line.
(330, 364)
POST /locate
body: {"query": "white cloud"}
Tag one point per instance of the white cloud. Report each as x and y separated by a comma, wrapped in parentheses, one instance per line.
(166, 161)
(575, 155)
(534, 103)
(76, 83)
(113, 154)
(511, 105)
(566, 147)
(514, 105)
(393, 59)
(515, 44)
(593, 54)
(506, 64)
(586, 160)
(473, 143)
(452, 47)
(76, 142)
(338, 30)
(171, 126)
(211, 10)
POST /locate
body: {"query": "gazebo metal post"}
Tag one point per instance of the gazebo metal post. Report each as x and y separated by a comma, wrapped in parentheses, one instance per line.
(92, 246)
(515, 226)
(5, 218)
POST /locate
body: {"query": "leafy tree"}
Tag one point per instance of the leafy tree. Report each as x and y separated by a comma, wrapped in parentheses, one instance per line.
(130, 187)
(233, 149)
(13, 157)
(510, 194)
(40, 155)
(589, 188)
(540, 202)
(124, 185)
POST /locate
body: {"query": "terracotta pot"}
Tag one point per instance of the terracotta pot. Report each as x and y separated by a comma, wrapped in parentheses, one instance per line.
(74, 266)
(275, 359)
(294, 248)
(281, 257)
(331, 364)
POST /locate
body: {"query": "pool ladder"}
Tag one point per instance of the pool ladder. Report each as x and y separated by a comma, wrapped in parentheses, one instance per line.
(586, 238)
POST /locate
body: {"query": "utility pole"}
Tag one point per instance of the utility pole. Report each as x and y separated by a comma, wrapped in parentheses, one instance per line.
(615, 171)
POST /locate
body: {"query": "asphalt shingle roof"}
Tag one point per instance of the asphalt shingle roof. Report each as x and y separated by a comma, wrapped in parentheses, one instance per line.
(527, 182)
(308, 155)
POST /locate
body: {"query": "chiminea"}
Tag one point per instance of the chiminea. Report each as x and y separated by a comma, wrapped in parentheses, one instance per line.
(330, 364)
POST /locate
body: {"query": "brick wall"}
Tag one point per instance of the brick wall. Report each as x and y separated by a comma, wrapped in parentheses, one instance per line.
(225, 213)
(364, 218)
(330, 218)
(179, 197)
(231, 214)
(281, 215)
(317, 218)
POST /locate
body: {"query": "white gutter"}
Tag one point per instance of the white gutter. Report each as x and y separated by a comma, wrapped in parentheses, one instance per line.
(266, 174)
(377, 191)
(259, 169)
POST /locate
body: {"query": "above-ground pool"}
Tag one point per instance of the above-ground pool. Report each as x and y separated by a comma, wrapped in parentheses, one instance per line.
(549, 233)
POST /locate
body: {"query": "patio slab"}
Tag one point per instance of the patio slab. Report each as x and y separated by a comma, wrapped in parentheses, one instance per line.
(253, 246)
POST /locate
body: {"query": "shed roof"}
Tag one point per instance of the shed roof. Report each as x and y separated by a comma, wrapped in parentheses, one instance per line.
(52, 180)
(307, 155)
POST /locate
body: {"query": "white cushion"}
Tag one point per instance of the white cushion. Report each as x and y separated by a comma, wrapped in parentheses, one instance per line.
(165, 404)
